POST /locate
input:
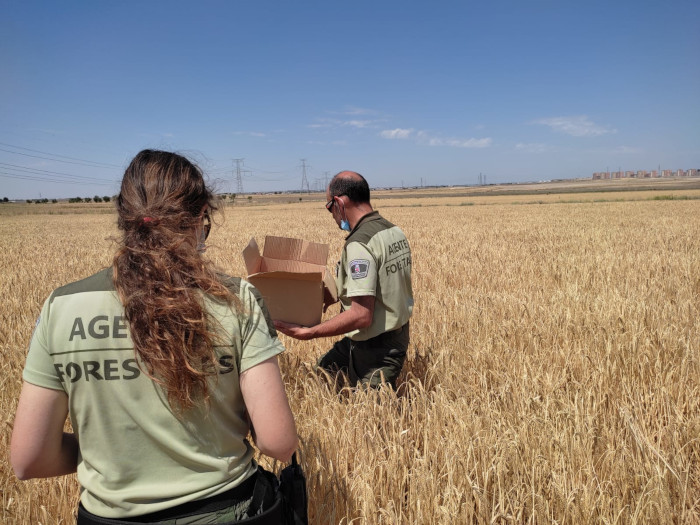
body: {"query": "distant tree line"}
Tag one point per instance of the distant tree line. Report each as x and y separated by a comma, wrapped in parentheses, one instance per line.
(96, 198)
(40, 201)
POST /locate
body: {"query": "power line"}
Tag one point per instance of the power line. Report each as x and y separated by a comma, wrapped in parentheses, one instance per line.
(6, 175)
(265, 171)
(49, 156)
(260, 179)
(95, 165)
(56, 174)
(217, 171)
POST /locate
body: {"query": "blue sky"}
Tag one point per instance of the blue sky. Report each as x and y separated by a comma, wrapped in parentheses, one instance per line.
(403, 92)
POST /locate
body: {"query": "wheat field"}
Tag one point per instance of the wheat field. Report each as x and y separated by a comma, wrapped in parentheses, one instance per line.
(553, 374)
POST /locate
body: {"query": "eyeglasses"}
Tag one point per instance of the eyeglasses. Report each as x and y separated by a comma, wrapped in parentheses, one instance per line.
(329, 204)
(207, 224)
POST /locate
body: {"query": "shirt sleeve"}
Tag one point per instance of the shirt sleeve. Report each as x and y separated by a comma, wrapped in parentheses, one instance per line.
(39, 368)
(361, 271)
(259, 339)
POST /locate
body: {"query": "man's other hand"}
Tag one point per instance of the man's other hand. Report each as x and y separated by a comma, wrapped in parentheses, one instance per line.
(293, 330)
(328, 299)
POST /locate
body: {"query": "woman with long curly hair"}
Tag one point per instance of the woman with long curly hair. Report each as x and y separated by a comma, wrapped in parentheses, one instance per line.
(164, 366)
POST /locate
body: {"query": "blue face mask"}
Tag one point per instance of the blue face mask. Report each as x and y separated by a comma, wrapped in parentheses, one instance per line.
(344, 224)
(201, 246)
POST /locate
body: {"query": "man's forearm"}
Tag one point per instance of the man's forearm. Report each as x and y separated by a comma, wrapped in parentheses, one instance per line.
(342, 323)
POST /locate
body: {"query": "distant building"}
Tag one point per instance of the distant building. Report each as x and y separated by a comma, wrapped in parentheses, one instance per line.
(643, 174)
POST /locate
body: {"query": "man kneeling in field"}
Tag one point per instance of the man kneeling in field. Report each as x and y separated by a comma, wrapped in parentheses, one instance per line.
(373, 278)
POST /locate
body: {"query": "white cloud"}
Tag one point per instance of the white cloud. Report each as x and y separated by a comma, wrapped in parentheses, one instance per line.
(250, 133)
(326, 143)
(577, 126)
(468, 143)
(357, 123)
(323, 123)
(533, 147)
(351, 110)
(398, 133)
(422, 137)
(425, 138)
(337, 123)
(627, 149)
(356, 111)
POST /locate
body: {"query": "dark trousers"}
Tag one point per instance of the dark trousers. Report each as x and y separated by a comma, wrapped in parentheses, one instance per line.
(371, 362)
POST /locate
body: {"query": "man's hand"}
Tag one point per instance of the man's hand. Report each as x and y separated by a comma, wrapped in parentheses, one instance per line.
(293, 330)
(328, 299)
(358, 316)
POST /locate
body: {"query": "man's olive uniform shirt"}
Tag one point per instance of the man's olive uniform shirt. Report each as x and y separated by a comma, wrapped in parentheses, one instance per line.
(136, 456)
(376, 260)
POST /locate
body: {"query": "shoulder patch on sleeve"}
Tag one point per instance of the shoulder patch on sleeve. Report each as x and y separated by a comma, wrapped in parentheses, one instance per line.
(359, 268)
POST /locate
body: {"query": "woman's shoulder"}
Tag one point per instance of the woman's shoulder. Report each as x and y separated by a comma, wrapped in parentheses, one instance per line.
(250, 297)
(232, 283)
(238, 286)
(98, 282)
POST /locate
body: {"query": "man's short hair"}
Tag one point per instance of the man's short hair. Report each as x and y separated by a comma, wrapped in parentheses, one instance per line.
(356, 188)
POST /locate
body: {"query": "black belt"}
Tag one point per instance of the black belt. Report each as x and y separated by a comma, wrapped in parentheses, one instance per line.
(240, 493)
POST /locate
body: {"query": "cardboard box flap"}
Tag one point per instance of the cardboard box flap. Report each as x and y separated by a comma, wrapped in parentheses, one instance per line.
(285, 248)
(251, 256)
(330, 291)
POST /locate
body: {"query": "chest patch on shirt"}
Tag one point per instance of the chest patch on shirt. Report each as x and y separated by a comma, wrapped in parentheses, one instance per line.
(359, 268)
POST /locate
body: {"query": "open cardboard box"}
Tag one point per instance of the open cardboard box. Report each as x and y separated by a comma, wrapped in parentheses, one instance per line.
(292, 277)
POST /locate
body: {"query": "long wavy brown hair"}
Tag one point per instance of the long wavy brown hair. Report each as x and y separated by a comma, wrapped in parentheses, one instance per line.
(161, 277)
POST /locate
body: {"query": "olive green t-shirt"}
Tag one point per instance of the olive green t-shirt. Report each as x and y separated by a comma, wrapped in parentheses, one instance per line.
(136, 456)
(376, 261)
